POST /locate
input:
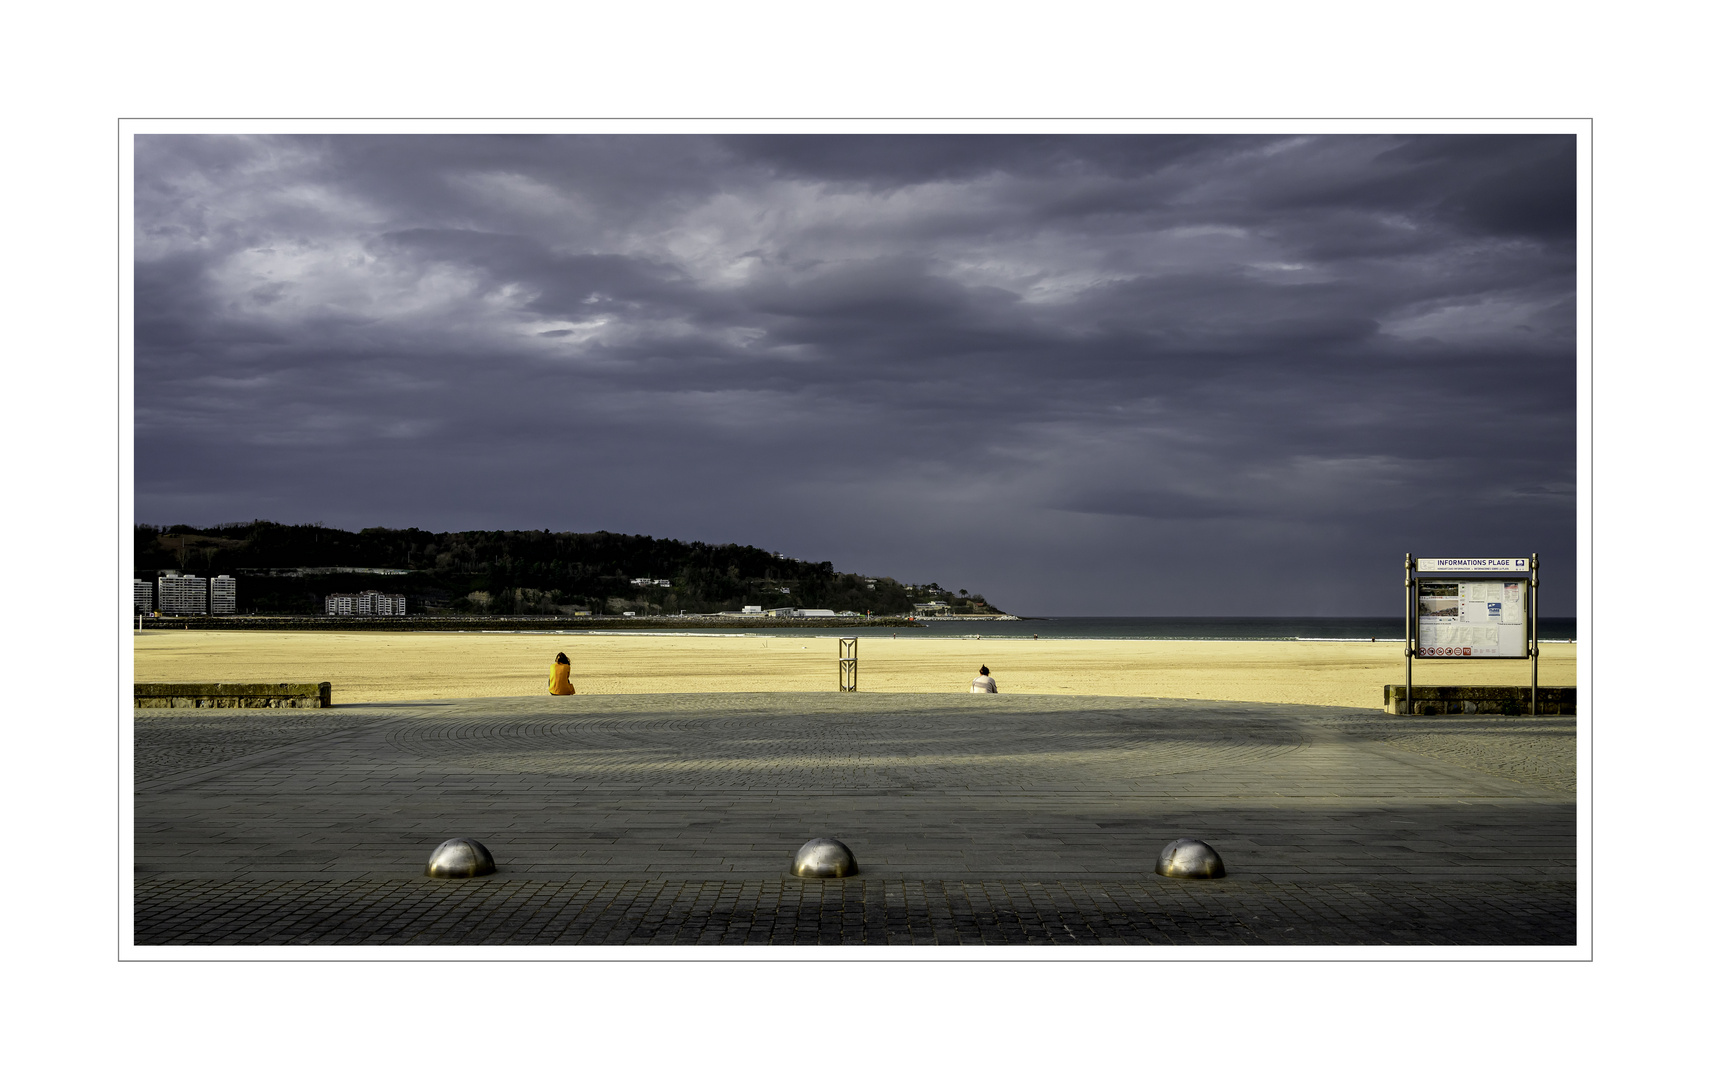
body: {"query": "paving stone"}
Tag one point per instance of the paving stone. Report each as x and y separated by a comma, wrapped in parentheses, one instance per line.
(671, 819)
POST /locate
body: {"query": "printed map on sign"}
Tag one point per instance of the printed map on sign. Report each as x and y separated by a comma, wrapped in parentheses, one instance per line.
(1472, 618)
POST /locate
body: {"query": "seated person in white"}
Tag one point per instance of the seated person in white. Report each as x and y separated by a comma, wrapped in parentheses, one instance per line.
(984, 683)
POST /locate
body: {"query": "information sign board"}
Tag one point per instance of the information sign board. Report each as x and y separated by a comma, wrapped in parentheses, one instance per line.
(1450, 616)
(1472, 618)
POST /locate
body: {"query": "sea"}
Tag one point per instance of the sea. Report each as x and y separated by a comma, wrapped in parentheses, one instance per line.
(1122, 628)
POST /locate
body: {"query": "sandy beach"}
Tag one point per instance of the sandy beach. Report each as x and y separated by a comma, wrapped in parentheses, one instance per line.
(376, 666)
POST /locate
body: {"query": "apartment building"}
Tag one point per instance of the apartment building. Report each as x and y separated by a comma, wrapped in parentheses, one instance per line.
(368, 602)
(223, 595)
(181, 594)
(143, 593)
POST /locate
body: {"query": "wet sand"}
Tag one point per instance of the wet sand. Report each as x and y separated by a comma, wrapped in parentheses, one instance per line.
(375, 666)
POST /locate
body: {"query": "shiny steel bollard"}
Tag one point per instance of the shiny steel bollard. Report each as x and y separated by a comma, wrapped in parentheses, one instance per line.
(823, 857)
(1190, 859)
(462, 857)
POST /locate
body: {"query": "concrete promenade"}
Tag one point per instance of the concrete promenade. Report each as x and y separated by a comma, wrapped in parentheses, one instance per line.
(976, 819)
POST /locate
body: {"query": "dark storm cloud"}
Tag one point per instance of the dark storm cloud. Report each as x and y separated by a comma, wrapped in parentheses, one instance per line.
(889, 161)
(1101, 373)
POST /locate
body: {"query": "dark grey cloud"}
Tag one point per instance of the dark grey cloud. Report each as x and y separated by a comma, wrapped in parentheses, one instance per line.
(1101, 374)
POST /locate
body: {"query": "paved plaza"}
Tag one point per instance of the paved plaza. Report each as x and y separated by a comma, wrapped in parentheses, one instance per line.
(1009, 819)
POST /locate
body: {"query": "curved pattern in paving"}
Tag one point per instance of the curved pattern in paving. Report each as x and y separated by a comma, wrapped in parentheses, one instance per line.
(1535, 750)
(171, 741)
(760, 741)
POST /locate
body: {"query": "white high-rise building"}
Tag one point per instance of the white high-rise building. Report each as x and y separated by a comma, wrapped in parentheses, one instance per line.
(369, 602)
(223, 595)
(143, 592)
(182, 594)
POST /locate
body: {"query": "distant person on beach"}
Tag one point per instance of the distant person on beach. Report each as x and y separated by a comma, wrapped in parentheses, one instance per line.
(559, 681)
(983, 683)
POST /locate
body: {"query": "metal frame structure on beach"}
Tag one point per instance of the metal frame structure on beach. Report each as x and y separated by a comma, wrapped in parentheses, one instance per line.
(1519, 570)
(847, 664)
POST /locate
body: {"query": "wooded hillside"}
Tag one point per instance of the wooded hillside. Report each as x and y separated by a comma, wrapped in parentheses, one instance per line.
(288, 568)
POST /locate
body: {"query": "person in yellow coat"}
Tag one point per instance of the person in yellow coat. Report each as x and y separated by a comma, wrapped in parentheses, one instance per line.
(559, 681)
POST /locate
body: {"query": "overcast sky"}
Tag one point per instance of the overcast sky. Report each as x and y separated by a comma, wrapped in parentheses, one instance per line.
(1149, 375)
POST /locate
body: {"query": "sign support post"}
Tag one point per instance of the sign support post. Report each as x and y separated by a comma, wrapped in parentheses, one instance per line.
(1533, 605)
(1408, 613)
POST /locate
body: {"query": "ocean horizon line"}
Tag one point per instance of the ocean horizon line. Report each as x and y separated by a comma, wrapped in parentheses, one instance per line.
(1280, 628)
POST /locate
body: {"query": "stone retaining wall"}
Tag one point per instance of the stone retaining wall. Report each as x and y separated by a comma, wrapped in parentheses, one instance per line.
(233, 695)
(1507, 700)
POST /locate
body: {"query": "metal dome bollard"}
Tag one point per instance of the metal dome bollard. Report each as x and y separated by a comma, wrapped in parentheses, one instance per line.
(461, 857)
(823, 857)
(1187, 858)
